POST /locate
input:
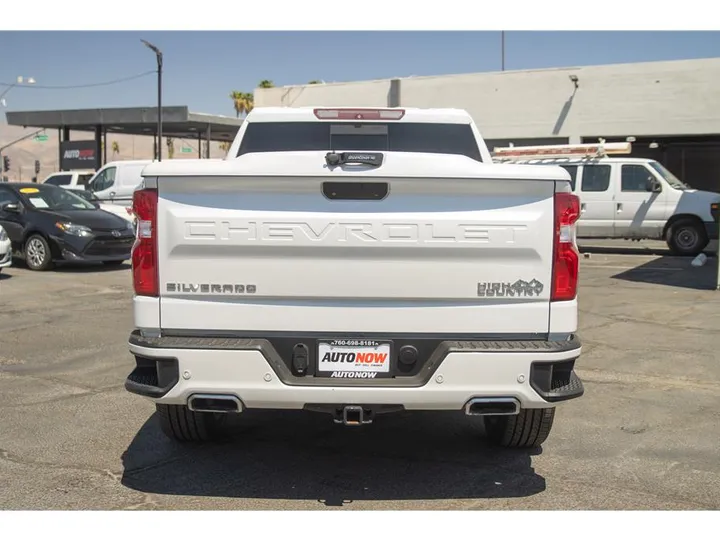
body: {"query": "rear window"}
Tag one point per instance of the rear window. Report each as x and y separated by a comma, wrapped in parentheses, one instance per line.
(596, 178)
(83, 179)
(361, 136)
(59, 180)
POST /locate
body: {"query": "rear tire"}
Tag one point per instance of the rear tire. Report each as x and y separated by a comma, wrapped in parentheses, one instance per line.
(528, 429)
(181, 424)
(38, 255)
(686, 237)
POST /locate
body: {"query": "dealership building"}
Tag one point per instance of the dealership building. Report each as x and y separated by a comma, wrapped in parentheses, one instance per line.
(670, 110)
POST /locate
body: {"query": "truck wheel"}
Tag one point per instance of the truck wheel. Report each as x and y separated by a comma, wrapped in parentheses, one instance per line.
(38, 255)
(527, 429)
(686, 237)
(181, 424)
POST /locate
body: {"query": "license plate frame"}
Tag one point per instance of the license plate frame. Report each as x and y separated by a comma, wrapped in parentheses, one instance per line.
(350, 370)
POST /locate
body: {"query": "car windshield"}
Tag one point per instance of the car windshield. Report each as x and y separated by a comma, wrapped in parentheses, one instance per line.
(47, 197)
(85, 195)
(669, 177)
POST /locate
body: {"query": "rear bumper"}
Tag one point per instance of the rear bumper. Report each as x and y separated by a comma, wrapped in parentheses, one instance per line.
(537, 373)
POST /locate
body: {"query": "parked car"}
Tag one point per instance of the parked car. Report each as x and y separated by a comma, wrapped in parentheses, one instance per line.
(5, 249)
(124, 212)
(46, 223)
(77, 178)
(115, 182)
(627, 198)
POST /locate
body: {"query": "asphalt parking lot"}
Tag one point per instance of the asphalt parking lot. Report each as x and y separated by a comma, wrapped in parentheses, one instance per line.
(644, 436)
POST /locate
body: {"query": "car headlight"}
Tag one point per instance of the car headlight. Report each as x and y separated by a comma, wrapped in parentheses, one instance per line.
(72, 228)
(3, 235)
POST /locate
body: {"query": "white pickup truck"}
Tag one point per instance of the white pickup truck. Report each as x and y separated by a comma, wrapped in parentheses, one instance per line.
(356, 262)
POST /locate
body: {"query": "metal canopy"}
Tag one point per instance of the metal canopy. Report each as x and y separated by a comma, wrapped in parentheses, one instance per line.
(178, 122)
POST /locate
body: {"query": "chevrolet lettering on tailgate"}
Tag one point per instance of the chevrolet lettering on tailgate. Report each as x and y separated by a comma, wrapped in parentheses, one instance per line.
(281, 231)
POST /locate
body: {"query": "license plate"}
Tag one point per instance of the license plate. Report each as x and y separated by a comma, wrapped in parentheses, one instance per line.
(354, 359)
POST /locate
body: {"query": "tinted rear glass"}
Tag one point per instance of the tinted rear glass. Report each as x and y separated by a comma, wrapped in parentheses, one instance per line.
(375, 136)
(83, 179)
(59, 180)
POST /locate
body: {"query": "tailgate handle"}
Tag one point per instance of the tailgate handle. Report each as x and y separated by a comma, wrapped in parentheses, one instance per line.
(355, 191)
(374, 159)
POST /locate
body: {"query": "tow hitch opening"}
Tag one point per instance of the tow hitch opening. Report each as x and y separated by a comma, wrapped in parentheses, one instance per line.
(353, 415)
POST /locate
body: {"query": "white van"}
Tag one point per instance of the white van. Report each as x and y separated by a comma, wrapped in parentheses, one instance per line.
(628, 198)
(115, 182)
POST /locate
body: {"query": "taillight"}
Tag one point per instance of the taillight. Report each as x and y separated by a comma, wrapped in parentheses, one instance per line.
(567, 259)
(359, 114)
(144, 251)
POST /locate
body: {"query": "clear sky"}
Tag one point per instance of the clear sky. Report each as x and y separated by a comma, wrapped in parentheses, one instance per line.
(201, 68)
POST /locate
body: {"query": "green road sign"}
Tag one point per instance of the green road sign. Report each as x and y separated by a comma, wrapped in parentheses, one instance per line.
(186, 149)
(41, 138)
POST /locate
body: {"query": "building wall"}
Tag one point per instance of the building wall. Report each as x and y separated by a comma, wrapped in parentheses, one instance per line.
(656, 98)
(359, 94)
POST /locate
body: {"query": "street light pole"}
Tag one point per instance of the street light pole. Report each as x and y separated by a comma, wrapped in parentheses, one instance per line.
(18, 82)
(502, 49)
(159, 57)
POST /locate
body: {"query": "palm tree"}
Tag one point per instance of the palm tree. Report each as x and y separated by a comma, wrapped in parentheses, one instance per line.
(240, 102)
(170, 146)
(115, 148)
(249, 102)
(266, 84)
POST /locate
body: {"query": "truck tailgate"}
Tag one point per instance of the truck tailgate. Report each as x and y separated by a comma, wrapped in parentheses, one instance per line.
(436, 255)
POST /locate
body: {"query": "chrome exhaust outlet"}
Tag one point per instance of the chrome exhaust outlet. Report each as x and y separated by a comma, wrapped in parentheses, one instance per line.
(492, 407)
(215, 403)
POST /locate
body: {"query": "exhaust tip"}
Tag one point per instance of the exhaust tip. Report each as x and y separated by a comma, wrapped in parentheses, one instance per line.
(492, 407)
(215, 403)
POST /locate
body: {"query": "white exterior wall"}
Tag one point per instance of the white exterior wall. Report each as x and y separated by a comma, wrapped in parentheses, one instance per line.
(648, 99)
